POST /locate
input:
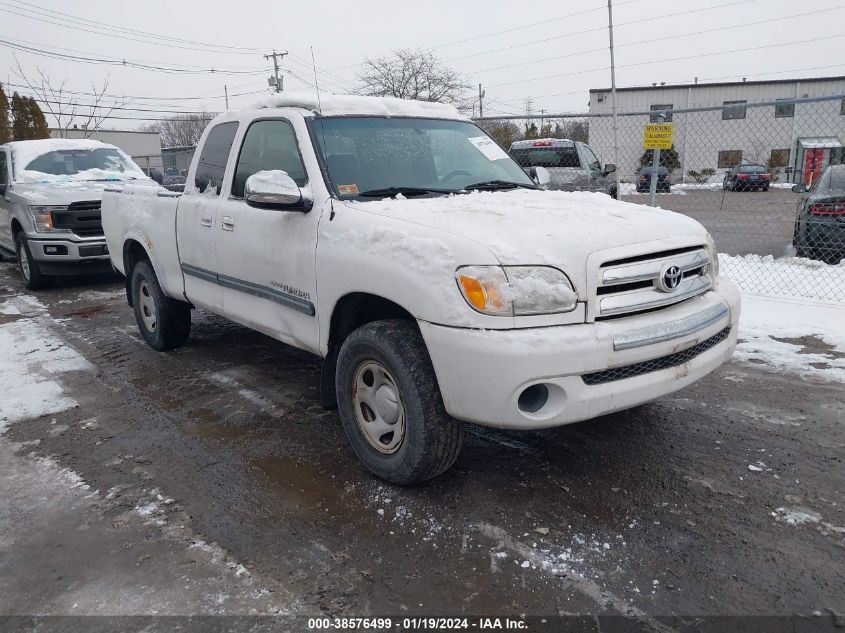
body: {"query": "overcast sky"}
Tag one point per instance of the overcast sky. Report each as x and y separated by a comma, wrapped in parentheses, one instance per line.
(553, 52)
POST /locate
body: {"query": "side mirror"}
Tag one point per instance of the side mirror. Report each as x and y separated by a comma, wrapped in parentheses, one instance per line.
(540, 176)
(275, 190)
(609, 169)
(800, 188)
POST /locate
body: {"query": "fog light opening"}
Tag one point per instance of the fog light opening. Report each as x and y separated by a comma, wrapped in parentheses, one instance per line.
(533, 398)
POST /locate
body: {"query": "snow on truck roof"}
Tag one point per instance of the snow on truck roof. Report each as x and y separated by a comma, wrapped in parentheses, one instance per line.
(337, 105)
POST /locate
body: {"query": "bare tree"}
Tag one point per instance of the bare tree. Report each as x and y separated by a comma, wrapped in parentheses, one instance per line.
(413, 74)
(183, 130)
(65, 109)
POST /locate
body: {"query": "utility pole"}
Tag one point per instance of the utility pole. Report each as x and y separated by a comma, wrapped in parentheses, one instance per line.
(613, 96)
(542, 119)
(481, 94)
(275, 80)
(226, 92)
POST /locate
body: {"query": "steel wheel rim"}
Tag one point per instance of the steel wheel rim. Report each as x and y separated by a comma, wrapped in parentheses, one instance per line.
(146, 306)
(23, 260)
(378, 406)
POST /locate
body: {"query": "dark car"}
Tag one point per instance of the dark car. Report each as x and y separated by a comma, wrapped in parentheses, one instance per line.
(747, 178)
(644, 179)
(820, 225)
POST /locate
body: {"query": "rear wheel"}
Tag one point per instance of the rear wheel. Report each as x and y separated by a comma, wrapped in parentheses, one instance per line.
(164, 322)
(28, 266)
(390, 404)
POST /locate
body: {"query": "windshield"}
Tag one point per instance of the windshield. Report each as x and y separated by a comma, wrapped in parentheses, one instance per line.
(378, 156)
(102, 163)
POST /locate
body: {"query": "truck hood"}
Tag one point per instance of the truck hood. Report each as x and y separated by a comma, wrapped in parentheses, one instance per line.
(554, 228)
(63, 193)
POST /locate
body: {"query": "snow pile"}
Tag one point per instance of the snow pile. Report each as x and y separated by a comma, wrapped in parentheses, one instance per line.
(333, 105)
(785, 277)
(30, 360)
(764, 320)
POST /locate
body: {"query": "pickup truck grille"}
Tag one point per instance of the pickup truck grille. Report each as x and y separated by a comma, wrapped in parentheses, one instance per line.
(83, 218)
(653, 281)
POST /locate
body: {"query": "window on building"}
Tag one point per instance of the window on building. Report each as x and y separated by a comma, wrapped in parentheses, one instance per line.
(779, 158)
(733, 110)
(729, 157)
(661, 106)
(215, 154)
(784, 110)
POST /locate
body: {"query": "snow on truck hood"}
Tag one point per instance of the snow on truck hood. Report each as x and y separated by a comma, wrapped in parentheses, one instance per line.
(527, 227)
(65, 192)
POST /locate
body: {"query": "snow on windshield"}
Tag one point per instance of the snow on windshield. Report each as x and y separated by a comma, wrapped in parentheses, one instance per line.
(71, 160)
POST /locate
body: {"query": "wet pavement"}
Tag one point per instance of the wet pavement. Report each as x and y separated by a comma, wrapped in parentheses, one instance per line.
(209, 480)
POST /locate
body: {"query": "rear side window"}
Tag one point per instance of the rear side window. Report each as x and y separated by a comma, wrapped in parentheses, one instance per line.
(4, 176)
(546, 156)
(268, 145)
(215, 153)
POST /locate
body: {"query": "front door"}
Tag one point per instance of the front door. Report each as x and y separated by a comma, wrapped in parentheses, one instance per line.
(5, 205)
(266, 256)
(198, 217)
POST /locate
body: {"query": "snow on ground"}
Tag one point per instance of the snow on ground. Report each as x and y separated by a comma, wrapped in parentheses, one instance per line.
(785, 277)
(793, 317)
(31, 360)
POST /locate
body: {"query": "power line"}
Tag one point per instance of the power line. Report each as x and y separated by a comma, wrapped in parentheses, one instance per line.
(147, 98)
(657, 39)
(122, 62)
(670, 59)
(42, 14)
(601, 28)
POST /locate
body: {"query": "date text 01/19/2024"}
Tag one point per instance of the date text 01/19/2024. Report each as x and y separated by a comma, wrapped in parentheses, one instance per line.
(416, 624)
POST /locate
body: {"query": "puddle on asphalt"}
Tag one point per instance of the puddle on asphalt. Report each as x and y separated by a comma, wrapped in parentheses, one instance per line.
(812, 345)
(86, 313)
(306, 490)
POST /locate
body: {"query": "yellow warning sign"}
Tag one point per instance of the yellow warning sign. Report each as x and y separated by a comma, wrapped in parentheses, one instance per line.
(657, 136)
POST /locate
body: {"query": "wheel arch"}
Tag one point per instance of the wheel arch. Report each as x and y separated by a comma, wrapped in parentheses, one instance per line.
(133, 252)
(350, 312)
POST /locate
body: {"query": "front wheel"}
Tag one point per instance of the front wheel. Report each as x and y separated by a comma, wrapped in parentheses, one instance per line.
(164, 322)
(390, 404)
(28, 266)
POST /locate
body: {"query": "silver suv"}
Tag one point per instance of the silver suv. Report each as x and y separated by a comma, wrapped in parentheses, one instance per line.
(572, 165)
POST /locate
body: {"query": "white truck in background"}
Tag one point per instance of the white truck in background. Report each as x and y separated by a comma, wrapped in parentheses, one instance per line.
(439, 284)
(50, 193)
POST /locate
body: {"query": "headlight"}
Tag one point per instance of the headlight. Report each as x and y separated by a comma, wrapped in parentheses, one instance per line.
(43, 218)
(516, 290)
(714, 257)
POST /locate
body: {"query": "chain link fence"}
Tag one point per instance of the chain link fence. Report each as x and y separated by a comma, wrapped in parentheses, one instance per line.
(739, 169)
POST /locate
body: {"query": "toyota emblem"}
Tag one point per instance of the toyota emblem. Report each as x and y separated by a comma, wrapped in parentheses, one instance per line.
(670, 278)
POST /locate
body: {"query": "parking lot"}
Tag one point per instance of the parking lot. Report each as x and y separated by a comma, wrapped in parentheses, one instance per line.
(740, 221)
(210, 480)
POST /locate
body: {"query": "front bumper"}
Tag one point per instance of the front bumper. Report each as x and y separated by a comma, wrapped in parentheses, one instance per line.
(482, 373)
(67, 250)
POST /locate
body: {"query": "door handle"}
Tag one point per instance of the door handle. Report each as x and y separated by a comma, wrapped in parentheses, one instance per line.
(205, 220)
(228, 223)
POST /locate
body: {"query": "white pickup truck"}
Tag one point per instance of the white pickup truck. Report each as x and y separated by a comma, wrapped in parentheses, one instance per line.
(437, 281)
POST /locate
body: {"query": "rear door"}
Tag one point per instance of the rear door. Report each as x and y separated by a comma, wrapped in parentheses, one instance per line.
(5, 205)
(267, 256)
(592, 169)
(198, 216)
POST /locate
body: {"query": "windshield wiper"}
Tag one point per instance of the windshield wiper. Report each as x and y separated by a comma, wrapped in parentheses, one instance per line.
(405, 191)
(498, 184)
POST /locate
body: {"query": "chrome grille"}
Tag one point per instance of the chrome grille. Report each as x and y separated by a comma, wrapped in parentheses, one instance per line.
(632, 285)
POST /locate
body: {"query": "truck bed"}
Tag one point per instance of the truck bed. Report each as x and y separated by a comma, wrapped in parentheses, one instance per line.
(146, 215)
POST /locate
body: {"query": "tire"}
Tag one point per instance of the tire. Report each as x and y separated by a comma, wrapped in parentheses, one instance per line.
(392, 353)
(614, 194)
(28, 266)
(164, 322)
(766, 188)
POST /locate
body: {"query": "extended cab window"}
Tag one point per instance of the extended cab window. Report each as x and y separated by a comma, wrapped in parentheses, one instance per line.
(268, 145)
(4, 176)
(215, 154)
